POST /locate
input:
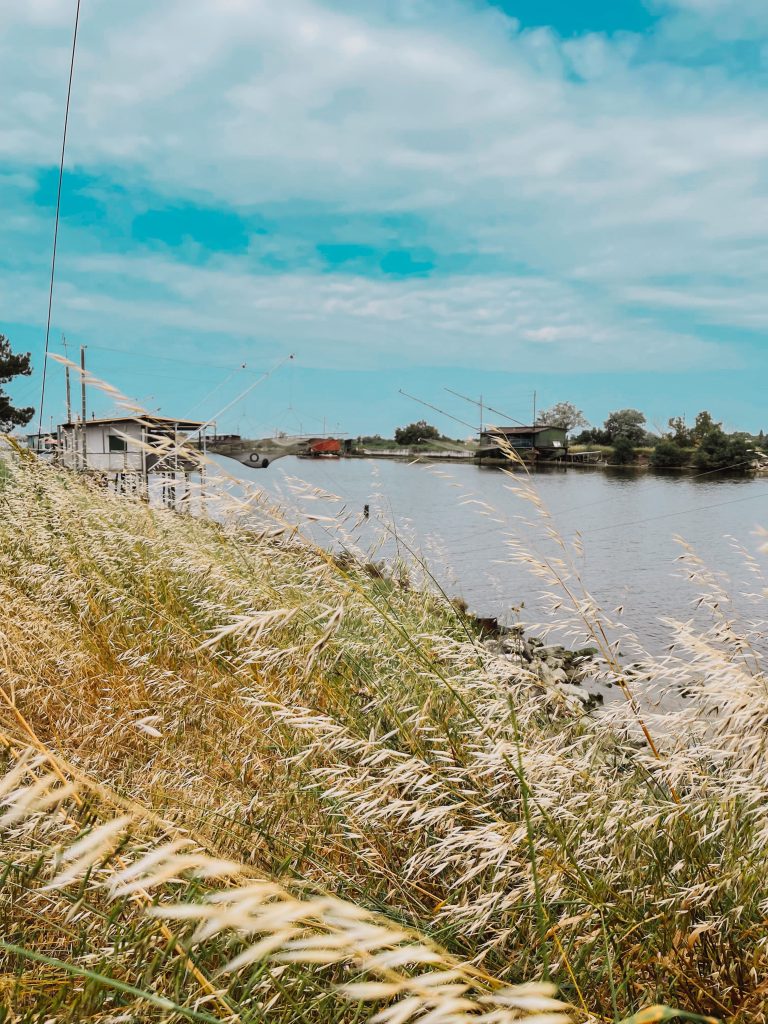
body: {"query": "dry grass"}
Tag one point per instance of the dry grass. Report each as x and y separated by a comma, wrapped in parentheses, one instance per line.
(244, 780)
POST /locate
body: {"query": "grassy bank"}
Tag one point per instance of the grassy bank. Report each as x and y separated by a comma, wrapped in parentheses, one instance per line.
(244, 781)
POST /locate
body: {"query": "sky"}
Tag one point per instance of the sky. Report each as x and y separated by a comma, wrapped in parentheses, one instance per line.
(502, 197)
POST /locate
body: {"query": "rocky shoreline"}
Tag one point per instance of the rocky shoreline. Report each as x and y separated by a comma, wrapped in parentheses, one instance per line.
(554, 666)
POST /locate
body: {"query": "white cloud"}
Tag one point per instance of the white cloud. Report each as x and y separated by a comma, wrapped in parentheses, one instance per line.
(600, 165)
(503, 321)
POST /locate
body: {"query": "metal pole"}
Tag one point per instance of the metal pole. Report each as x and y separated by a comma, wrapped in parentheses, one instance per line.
(84, 414)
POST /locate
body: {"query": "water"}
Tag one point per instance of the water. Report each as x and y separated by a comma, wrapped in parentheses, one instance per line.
(626, 522)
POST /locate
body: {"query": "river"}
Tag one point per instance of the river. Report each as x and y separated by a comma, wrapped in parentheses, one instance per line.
(465, 521)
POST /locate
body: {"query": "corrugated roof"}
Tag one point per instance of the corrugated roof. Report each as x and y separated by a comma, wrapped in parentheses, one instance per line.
(521, 430)
(151, 419)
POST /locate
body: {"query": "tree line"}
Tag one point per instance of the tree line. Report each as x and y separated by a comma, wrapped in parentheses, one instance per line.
(704, 445)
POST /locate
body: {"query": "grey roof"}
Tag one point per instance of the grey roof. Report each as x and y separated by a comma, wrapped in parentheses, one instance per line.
(522, 430)
(149, 419)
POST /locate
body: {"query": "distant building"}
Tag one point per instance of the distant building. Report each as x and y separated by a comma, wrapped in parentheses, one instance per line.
(43, 444)
(532, 444)
(123, 444)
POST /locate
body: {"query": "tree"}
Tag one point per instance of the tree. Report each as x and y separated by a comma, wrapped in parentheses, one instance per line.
(562, 414)
(681, 432)
(623, 451)
(629, 423)
(668, 454)
(12, 365)
(414, 433)
(595, 435)
(704, 425)
(718, 450)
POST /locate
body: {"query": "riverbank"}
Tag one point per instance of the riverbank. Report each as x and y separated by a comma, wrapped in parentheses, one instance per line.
(230, 693)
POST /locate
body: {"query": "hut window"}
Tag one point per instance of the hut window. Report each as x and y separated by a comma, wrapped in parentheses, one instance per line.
(117, 444)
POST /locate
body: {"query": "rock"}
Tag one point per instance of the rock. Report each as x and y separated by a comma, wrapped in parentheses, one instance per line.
(494, 646)
(513, 645)
(575, 691)
(586, 653)
(556, 652)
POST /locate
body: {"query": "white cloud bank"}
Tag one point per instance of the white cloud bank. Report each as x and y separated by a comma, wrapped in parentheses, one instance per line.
(605, 164)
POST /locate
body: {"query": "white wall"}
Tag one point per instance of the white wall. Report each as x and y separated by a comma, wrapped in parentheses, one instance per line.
(99, 457)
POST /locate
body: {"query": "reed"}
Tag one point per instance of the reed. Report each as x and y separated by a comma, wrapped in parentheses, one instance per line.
(243, 779)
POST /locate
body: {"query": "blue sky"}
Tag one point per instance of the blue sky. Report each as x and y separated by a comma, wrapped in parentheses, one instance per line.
(499, 197)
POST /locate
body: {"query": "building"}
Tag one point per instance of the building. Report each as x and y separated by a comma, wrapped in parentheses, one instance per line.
(532, 444)
(125, 444)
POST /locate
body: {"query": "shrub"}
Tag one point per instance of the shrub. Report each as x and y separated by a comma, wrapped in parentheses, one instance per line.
(623, 451)
(415, 433)
(720, 451)
(668, 454)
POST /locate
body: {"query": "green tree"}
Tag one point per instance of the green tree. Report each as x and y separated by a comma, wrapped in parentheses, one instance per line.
(12, 365)
(562, 414)
(668, 453)
(415, 433)
(703, 426)
(628, 423)
(681, 432)
(623, 451)
(595, 435)
(718, 450)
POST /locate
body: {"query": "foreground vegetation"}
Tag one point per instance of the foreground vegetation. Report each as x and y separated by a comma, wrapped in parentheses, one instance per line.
(243, 780)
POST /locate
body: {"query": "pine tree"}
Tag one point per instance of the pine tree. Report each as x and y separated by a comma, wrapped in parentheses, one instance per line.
(12, 365)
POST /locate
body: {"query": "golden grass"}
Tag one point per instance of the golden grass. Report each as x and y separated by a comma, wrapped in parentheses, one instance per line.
(273, 785)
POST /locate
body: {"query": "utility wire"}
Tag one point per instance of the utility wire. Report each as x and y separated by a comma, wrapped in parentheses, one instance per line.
(58, 210)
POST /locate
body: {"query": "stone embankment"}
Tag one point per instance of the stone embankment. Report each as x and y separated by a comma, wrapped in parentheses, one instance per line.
(555, 667)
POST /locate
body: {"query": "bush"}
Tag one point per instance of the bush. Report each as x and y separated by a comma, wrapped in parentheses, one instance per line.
(668, 454)
(415, 433)
(623, 451)
(719, 450)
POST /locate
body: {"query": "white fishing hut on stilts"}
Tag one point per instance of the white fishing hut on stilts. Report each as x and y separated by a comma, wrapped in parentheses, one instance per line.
(125, 451)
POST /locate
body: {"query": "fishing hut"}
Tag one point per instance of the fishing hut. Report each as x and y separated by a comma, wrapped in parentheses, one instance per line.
(530, 444)
(127, 451)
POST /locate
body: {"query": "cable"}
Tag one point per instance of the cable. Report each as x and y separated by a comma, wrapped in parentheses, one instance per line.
(174, 359)
(58, 210)
(669, 515)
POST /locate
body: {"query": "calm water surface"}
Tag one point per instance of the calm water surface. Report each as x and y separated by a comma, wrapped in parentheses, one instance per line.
(462, 520)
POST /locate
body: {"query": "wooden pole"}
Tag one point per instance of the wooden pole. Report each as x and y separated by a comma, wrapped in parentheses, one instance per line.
(83, 413)
(66, 376)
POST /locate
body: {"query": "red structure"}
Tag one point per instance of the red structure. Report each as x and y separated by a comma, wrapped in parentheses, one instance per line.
(322, 448)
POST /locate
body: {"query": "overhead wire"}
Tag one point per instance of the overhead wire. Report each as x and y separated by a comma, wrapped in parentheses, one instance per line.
(58, 213)
(206, 364)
